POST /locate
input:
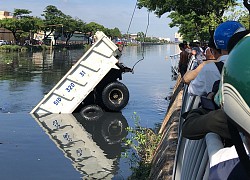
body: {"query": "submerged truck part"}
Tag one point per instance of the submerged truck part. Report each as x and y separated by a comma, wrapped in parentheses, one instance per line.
(98, 67)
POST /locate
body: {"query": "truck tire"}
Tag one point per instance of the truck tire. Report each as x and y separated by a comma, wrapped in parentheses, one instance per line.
(91, 112)
(115, 96)
(114, 127)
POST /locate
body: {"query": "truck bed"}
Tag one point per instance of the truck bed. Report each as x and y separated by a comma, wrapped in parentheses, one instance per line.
(81, 79)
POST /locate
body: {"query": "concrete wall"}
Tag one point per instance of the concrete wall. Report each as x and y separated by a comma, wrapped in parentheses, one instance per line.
(163, 161)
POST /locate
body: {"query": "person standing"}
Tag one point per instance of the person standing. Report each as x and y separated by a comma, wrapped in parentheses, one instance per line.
(183, 63)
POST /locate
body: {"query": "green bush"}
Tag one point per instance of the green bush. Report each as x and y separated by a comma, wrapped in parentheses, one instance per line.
(43, 47)
(143, 142)
(9, 48)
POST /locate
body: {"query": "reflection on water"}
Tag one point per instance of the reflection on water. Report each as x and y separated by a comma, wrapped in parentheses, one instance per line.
(94, 147)
(16, 64)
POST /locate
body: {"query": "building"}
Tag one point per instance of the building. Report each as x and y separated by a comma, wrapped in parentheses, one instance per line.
(133, 36)
(5, 14)
(164, 39)
(177, 37)
(77, 38)
(4, 33)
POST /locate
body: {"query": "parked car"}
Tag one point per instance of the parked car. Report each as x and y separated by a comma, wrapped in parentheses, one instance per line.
(3, 42)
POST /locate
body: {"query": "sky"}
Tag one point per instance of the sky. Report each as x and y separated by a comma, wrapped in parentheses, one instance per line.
(109, 13)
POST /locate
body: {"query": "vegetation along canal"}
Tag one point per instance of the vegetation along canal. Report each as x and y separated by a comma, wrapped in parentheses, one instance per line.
(31, 149)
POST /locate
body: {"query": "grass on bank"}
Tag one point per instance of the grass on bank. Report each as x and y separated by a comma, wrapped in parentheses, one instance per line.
(143, 142)
(43, 47)
(10, 48)
(17, 48)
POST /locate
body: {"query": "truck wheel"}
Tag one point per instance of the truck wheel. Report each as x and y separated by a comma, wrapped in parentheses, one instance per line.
(114, 127)
(91, 112)
(115, 96)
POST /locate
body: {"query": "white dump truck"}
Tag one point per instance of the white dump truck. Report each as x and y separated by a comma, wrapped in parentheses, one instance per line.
(93, 80)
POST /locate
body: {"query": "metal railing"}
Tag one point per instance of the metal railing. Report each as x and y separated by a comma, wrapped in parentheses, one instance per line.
(192, 159)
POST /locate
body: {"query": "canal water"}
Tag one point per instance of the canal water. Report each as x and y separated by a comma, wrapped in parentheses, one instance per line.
(71, 147)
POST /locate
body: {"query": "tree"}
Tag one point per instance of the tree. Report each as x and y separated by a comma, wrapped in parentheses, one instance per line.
(71, 26)
(203, 13)
(244, 19)
(29, 26)
(21, 13)
(54, 18)
(60, 24)
(113, 33)
(91, 29)
(237, 13)
(140, 36)
(22, 24)
(12, 25)
(116, 32)
(183, 7)
(192, 27)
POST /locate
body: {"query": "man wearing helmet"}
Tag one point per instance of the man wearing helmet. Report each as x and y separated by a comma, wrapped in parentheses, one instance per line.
(210, 73)
(235, 101)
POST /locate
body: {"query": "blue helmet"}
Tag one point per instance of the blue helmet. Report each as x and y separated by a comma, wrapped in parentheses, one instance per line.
(224, 32)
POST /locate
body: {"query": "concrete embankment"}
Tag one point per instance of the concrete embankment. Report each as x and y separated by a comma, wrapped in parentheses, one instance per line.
(163, 161)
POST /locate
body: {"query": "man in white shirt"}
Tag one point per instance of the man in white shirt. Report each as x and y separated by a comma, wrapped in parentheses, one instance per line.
(192, 74)
(203, 83)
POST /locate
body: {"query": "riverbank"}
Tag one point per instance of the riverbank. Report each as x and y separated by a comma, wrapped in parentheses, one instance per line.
(10, 48)
(163, 161)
